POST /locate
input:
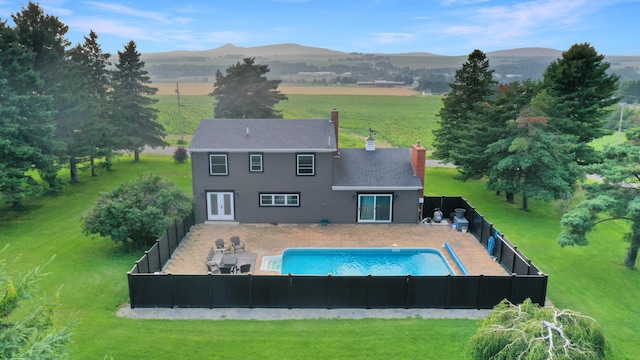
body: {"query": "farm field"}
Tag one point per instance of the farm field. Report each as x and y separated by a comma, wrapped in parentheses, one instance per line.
(400, 121)
(289, 89)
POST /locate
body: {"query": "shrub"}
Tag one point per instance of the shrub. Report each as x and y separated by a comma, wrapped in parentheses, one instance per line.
(527, 331)
(181, 155)
(138, 211)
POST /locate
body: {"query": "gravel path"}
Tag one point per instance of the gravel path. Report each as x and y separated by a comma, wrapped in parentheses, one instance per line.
(297, 314)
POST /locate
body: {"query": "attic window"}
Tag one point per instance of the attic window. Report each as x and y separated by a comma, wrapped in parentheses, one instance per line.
(305, 164)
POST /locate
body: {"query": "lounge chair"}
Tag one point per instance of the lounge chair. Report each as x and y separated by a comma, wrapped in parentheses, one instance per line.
(236, 244)
(220, 246)
(245, 268)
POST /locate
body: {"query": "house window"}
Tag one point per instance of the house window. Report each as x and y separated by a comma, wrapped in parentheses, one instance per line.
(218, 164)
(255, 163)
(279, 199)
(305, 164)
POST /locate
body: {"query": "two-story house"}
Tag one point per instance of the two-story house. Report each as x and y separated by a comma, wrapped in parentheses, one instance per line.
(292, 171)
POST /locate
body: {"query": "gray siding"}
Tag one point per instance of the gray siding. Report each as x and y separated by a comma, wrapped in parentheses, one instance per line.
(317, 200)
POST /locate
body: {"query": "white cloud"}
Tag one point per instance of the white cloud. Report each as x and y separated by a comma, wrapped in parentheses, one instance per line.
(514, 24)
(129, 11)
(393, 38)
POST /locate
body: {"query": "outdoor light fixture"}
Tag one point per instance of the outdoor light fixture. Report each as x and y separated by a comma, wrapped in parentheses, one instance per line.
(353, 197)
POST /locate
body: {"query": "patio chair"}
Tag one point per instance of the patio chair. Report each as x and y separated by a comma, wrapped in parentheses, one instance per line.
(236, 244)
(245, 268)
(220, 246)
(225, 270)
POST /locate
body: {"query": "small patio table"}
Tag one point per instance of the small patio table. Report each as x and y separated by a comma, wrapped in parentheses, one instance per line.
(229, 261)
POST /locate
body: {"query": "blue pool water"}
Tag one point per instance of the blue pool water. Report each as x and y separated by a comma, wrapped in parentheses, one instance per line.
(364, 261)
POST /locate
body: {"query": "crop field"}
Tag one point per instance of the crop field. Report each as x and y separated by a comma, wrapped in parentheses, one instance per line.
(400, 120)
(289, 89)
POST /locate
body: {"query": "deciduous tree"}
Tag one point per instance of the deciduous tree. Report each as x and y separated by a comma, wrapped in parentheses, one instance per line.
(527, 331)
(138, 211)
(245, 92)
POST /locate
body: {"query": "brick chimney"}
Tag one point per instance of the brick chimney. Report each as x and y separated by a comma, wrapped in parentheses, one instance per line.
(418, 157)
(336, 123)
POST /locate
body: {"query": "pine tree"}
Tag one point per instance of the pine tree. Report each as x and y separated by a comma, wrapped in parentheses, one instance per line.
(44, 36)
(466, 124)
(582, 90)
(133, 116)
(245, 92)
(90, 134)
(27, 129)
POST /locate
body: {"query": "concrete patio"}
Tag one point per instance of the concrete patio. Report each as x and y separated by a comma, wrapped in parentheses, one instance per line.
(272, 239)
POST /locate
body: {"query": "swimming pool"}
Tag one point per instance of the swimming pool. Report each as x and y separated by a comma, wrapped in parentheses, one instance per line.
(364, 261)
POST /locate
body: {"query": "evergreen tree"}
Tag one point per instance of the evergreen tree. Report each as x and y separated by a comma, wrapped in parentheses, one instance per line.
(27, 129)
(533, 162)
(90, 134)
(44, 35)
(466, 122)
(133, 116)
(582, 90)
(245, 92)
(28, 335)
(617, 197)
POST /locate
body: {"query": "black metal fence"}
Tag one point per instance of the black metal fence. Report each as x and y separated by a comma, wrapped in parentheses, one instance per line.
(150, 288)
(160, 252)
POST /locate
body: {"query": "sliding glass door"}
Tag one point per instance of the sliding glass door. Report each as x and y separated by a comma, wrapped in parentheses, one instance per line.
(374, 207)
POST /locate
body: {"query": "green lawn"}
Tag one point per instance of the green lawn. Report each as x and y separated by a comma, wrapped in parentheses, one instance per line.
(92, 273)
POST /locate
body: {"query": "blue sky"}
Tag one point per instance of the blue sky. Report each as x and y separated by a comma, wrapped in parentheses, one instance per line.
(446, 27)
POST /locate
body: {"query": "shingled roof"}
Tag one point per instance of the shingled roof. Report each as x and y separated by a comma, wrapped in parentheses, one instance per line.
(266, 135)
(382, 169)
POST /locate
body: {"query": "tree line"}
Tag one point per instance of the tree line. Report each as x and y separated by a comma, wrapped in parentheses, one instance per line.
(66, 106)
(531, 138)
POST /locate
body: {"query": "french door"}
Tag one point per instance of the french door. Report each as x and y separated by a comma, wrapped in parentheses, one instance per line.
(374, 207)
(220, 206)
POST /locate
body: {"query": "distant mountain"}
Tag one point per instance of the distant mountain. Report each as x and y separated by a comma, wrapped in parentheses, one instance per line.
(288, 61)
(256, 51)
(298, 50)
(527, 52)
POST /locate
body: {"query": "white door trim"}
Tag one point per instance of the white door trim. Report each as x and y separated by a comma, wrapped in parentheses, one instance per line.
(220, 205)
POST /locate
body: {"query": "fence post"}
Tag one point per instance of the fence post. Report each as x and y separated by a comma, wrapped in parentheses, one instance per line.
(329, 286)
(446, 303)
(480, 284)
(290, 291)
(408, 292)
(368, 291)
(159, 255)
(146, 254)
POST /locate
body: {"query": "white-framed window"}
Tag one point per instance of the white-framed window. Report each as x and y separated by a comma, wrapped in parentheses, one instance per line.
(255, 163)
(218, 164)
(279, 199)
(305, 164)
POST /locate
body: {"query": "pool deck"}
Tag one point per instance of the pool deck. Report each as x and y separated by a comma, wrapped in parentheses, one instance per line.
(271, 240)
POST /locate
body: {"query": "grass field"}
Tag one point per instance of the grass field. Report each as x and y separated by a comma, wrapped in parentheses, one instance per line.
(91, 272)
(400, 120)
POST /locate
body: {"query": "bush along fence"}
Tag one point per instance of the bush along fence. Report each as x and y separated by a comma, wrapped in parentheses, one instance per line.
(160, 252)
(149, 287)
